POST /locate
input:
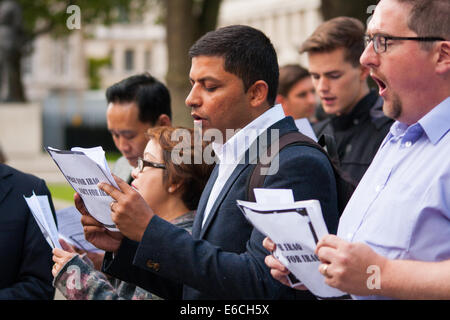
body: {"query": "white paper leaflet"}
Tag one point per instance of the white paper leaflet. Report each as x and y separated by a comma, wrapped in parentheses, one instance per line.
(70, 229)
(42, 213)
(84, 169)
(295, 228)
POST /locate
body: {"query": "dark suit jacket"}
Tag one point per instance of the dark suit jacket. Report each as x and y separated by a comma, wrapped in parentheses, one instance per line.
(225, 259)
(25, 256)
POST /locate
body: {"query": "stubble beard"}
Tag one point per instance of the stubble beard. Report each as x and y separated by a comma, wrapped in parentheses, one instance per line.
(394, 110)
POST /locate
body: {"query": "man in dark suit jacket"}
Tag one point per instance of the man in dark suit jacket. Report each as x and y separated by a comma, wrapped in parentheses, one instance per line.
(26, 257)
(234, 77)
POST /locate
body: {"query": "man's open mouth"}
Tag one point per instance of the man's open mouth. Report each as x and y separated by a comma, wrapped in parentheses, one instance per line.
(328, 100)
(381, 84)
(196, 117)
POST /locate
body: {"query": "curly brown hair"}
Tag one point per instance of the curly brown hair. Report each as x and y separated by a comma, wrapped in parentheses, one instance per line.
(190, 175)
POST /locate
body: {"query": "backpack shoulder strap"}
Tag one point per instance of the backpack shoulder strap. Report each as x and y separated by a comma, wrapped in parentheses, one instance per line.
(344, 185)
(256, 179)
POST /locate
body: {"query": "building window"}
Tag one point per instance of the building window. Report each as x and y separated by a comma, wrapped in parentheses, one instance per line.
(129, 60)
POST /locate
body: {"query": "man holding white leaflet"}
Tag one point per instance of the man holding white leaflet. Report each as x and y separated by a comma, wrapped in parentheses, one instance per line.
(400, 211)
(234, 77)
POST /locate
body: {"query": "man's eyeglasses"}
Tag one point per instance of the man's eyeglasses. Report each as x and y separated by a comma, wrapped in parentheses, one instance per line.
(380, 42)
(141, 164)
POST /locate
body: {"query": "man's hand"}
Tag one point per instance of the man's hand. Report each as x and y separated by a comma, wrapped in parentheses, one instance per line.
(95, 232)
(347, 264)
(129, 211)
(277, 269)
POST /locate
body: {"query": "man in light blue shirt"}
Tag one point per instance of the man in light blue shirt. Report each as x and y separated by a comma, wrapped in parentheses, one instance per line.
(401, 208)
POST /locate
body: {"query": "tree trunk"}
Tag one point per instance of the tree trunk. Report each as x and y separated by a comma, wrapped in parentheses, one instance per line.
(183, 28)
(360, 9)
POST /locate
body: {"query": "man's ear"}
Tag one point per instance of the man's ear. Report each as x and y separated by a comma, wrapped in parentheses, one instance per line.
(163, 120)
(174, 187)
(257, 93)
(443, 60)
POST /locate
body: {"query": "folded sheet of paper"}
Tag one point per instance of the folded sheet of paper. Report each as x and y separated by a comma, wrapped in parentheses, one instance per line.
(295, 228)
(84, 168)
(70, 229)
(40, 209)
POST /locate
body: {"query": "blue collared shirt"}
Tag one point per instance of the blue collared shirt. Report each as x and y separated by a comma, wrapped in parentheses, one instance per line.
(401, 207)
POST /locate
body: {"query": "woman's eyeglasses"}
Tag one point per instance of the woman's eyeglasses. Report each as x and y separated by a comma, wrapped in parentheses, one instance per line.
(141, 164)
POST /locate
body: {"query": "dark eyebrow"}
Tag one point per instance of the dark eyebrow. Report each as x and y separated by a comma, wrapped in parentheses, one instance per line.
(121, 131)
(331, 72)
(204, 79)
(326, 73)
(379, 34)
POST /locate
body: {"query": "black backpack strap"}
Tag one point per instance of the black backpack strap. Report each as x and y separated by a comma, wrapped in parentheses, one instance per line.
(327, 142)
(257, 179)
(344, 185)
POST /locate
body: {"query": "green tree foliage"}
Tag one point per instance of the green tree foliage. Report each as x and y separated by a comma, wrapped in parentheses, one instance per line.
(94, 67)
(43, 16)
(50, 16)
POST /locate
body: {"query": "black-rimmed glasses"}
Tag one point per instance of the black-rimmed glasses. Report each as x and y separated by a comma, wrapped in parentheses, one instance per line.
(141, 164)
(380, 41)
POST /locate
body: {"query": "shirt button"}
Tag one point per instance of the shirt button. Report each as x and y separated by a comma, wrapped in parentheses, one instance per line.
(356, 121)
(378, 188)
(408, 144)
(349, 236)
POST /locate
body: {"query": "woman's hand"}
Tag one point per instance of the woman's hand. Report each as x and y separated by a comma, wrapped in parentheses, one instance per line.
(61, 257)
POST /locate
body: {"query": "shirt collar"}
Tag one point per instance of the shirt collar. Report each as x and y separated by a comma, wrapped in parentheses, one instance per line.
(435, 124)
(232, 151)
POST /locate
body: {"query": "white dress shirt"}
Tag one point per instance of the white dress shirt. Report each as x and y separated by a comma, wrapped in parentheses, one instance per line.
(230, 153)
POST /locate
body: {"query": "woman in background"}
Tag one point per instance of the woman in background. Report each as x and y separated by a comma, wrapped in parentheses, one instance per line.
(171, 190)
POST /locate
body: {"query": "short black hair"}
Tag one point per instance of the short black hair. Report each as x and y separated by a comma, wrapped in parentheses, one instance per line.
(247, 52)
(151, 96)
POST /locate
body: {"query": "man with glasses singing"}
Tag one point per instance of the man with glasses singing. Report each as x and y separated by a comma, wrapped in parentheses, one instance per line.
(400, 212)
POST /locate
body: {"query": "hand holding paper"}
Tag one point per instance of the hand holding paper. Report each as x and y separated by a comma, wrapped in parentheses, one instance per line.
(350, 265)
(277, 269)
(61, 257)
(95, 232)
(295, 228)
(129, 212)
